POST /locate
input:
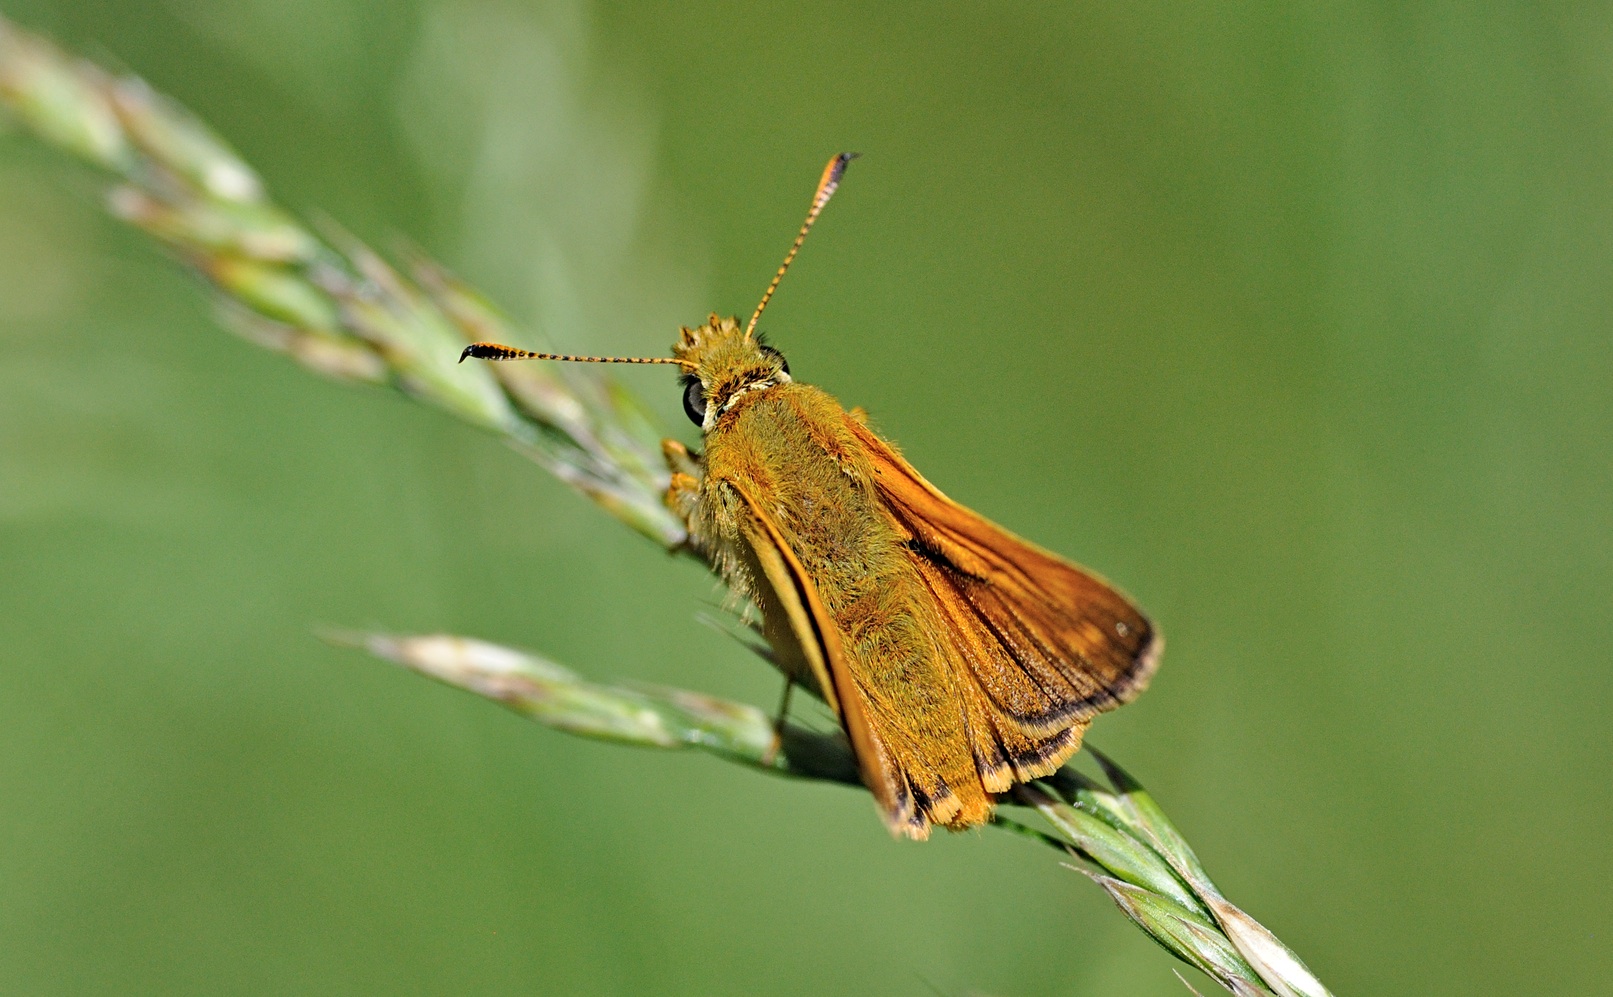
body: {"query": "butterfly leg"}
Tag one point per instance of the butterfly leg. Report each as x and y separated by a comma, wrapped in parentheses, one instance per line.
(683, 491)
(680, 459)
(777, 744)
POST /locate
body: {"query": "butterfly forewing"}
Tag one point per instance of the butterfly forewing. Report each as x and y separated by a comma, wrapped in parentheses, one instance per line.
(1048, 643)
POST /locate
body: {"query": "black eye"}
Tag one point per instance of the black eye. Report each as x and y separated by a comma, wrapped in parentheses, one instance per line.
(694, 401)
(784, 364)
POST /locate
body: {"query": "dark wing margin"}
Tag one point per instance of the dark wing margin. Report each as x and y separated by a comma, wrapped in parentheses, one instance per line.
(1006, 749)
(1049, 644)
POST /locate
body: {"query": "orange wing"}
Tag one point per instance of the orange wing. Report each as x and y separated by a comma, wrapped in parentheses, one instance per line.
(1048, 644)
(792, 593)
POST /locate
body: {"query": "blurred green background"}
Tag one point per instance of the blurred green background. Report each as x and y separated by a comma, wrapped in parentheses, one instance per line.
(1292, 319)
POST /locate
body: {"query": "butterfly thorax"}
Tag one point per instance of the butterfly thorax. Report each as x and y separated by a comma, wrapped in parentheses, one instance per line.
(787, 445)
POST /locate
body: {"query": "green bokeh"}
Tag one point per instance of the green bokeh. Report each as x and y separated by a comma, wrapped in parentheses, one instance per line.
(1292, 319)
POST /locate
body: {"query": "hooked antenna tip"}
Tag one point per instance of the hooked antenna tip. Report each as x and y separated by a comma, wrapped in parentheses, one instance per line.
(827, 184)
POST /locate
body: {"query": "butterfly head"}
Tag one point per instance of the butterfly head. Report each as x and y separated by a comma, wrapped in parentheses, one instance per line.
(723, 362)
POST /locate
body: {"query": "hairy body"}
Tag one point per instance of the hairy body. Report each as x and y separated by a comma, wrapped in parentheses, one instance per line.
(829, 515)
(960, 659)
(792, 504)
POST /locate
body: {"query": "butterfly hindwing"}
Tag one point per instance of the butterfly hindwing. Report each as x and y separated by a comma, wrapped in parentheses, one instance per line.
(818, 637)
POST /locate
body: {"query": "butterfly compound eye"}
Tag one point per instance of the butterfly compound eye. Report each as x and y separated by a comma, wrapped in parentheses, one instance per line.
(784, 364)
(694, 401)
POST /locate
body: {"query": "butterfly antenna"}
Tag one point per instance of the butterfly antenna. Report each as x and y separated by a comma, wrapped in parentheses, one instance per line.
(498, 351)
(826, 189)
